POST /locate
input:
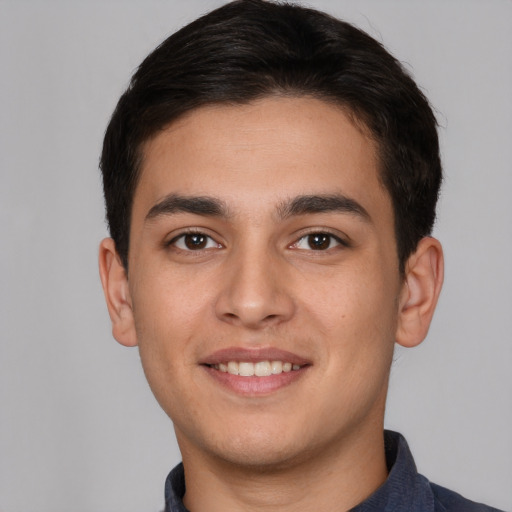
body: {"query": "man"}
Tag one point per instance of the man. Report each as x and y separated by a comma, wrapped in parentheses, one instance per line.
(271, 176)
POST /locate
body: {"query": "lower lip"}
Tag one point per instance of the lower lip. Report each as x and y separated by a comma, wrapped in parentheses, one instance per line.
(255, 386)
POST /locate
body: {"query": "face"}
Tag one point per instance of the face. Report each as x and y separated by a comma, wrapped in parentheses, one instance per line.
(263, 280)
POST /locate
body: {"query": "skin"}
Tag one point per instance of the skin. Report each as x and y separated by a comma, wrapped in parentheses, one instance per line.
(261, 282)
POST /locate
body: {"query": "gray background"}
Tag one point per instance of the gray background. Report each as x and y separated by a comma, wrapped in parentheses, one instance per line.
(79, 428)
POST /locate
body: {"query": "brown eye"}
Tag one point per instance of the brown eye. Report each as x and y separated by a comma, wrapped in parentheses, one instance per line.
(194, 242)
(319, 241)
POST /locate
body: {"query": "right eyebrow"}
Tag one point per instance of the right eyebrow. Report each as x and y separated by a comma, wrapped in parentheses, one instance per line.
(199, 205)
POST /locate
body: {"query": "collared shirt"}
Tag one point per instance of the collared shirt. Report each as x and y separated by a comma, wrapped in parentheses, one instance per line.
(405, 490)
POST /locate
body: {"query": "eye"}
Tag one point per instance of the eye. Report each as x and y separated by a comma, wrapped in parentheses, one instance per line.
(318, 242)
(194, 242)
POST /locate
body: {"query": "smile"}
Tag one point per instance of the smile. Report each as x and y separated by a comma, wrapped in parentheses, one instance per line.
(255, 369)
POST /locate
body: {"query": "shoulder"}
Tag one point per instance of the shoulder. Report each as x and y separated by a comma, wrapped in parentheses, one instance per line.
(449, 501)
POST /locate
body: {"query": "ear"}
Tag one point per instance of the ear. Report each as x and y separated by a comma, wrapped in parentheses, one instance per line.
(421, 288)
(117, 293)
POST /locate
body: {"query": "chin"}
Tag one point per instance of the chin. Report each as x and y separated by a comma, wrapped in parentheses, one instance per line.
(261, 456)
(260, 448)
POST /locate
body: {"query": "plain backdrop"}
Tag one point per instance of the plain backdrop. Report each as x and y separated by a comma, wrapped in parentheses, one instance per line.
(79, 428)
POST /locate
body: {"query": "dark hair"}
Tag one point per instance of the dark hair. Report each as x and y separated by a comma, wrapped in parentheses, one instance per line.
(249, 49)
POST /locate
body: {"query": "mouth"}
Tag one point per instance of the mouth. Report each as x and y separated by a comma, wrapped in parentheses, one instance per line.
(256, 369)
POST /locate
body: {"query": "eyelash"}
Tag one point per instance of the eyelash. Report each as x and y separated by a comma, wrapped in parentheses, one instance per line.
(191, 233)
(325, 234)
(295, 245)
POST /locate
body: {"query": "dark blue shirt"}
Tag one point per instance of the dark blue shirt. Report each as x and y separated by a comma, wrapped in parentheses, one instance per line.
(405, 490)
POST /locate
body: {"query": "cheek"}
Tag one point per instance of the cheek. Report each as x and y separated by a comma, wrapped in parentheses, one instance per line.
(167, 312)
(355, 301)
(168, 301)
(357, 315)
(166, 359)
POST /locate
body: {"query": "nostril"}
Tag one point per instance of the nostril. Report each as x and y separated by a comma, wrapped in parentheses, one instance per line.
(230, 315)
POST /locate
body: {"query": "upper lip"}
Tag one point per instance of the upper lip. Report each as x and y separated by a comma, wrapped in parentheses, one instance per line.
(253, 355)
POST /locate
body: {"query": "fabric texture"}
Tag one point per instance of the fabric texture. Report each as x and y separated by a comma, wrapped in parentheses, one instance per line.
(405, 490)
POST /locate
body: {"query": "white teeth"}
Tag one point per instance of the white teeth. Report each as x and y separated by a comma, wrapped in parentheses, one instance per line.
(233, 367)
(246, 369)
(277, 367)
(258, 369)
(262, 369)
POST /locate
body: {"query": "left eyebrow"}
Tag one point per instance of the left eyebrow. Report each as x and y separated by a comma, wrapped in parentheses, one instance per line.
(310, 204)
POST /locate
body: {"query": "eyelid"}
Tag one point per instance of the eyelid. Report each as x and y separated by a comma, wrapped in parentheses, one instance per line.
(342, 239)
(191, 231)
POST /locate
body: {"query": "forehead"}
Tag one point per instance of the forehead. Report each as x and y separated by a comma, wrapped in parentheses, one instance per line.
(260, 153)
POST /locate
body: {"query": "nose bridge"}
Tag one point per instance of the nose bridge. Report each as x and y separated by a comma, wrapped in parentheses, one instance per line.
(254, 292)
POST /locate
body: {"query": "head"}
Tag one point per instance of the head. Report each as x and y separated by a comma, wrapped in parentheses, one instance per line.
(251, 49)
(271, 175)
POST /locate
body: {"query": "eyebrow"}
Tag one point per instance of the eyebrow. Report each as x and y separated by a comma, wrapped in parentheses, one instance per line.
(311, 204)
(300, 205)
(199, 205)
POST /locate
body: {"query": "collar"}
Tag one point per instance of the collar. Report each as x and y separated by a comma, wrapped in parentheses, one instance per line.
(405, 490)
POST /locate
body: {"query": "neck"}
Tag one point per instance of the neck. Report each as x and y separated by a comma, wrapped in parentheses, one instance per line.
(336, 478)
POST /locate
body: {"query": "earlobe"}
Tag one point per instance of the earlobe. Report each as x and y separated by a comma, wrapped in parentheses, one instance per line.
(117, 293)
(420, 291)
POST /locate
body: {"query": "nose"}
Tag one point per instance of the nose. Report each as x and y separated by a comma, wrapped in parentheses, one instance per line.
(255, 291)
